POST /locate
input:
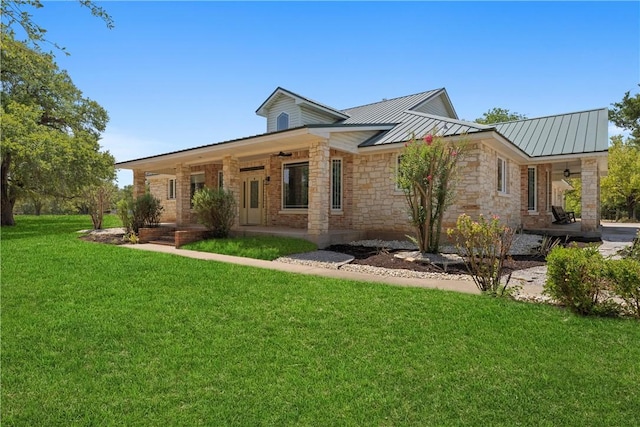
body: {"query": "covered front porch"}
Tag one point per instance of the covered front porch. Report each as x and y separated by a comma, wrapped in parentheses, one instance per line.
(544, 185)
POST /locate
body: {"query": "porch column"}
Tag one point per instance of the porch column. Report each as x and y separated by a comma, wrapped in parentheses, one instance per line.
(139, 183)
(319, 180)
(183, 194)
(231, 177)
(590, 195)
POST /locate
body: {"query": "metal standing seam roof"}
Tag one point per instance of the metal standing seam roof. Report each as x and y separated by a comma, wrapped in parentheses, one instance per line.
(412, 122)
(572, 133)
(388, 110)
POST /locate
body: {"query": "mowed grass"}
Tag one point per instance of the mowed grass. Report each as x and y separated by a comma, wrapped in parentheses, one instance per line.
(104, 335)
(259, 247)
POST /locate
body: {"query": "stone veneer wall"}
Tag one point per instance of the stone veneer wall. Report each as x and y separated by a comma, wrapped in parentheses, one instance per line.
(380, 208)
(377, 205)
(159, 188)
(542, 217)
(590, 177)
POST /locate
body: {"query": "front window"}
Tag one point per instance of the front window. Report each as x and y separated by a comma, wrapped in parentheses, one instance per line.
(532, 202)
(502, 175)
(171, 191)
(295, 185)
(283, 121)
(336, 184)
(197, 183)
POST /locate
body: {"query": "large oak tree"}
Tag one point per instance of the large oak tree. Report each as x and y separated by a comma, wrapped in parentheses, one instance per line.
(50, 131)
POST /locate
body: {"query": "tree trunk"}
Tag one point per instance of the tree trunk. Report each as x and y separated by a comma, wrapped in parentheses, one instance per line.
(37, 205)
(631, 207)
(6, 200)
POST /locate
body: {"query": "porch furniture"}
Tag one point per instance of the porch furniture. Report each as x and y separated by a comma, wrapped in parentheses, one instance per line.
(561, 216)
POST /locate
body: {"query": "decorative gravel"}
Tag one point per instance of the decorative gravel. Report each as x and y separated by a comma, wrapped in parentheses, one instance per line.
(323, 259)
(393, 272)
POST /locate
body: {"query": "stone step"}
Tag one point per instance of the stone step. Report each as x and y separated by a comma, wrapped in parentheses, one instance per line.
(168, 239)
(164, 241)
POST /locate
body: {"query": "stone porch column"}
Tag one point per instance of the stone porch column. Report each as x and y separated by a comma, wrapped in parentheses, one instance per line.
(139, 183)
(590, 195)
(183, 194)
(319, 181)
(231, 177)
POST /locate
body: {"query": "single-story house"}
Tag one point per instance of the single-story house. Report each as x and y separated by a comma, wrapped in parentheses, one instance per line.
(328, 170)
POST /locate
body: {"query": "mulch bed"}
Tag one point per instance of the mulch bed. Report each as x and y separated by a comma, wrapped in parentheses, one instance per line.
(384, 258)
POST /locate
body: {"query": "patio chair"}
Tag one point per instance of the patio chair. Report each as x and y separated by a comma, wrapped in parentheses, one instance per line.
(561, 216)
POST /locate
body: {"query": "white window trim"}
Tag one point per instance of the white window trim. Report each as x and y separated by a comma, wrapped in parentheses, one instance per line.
(535, 189)
(283, 209)
(278, 121)
(504, 189)
(171, 195)
(336, 210)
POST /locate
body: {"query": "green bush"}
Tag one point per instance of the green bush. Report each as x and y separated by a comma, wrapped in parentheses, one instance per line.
(484, 244)
(577, 279)
(633, 251)
(123, 213)
(144, 211)
(625, 282)
(215, 209)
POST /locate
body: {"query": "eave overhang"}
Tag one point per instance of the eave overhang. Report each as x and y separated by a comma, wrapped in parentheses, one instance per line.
(246, 148)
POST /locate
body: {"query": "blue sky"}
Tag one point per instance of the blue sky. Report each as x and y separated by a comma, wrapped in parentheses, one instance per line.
(175, 75)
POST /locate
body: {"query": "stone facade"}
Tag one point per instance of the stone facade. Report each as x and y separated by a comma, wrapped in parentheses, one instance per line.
(370, 200)
(159, 188)
(590, 195)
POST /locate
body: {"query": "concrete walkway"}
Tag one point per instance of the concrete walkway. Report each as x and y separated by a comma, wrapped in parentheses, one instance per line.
(465, 286)
(614, 237)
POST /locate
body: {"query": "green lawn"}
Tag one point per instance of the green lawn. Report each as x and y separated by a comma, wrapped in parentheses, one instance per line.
(104, 335)
(261, 247)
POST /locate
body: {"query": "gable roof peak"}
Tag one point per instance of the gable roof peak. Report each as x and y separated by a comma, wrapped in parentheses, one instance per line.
(299, 99)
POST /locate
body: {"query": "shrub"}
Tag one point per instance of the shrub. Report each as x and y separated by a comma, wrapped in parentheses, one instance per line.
(577, 279)
(625, 282)
(144, 211)
(215, 209)
(123, 213)
(633, 251)
(548, 244)
(485, 245)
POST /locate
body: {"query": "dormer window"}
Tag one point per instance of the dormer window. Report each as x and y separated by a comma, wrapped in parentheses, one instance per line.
(283, 121)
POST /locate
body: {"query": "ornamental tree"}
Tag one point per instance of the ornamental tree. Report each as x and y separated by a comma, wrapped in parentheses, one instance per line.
(425, 174)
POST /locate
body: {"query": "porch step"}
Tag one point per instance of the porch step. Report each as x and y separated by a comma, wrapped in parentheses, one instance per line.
(168, 239)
